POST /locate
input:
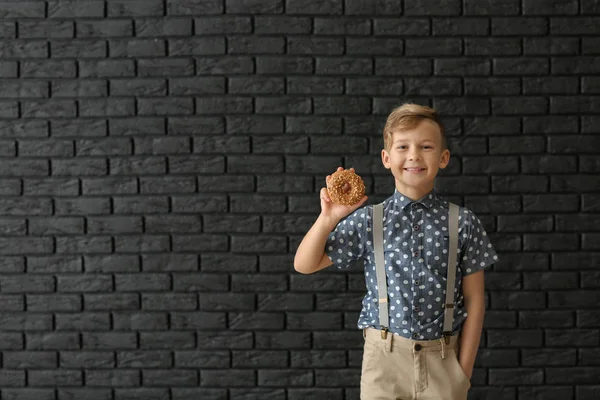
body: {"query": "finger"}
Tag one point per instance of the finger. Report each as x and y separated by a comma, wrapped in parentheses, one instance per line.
(325, 194)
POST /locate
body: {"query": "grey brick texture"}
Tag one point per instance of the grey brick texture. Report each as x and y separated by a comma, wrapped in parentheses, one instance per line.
(160, 162)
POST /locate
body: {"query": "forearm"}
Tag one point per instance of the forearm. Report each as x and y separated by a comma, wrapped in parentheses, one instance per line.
(311, 249)
(471, 334)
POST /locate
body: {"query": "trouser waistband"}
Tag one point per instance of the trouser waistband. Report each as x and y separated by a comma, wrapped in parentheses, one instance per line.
(393, 341)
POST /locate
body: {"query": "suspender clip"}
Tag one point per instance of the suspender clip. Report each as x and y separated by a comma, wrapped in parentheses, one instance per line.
(384, 332)
(447, 336)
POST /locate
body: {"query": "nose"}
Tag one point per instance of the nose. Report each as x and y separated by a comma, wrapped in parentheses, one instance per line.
(413, 154)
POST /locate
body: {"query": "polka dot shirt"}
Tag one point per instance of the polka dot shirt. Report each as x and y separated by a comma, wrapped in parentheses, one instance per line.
(416, 256)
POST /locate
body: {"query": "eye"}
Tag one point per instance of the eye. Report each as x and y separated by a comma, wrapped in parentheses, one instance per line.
(427, 147)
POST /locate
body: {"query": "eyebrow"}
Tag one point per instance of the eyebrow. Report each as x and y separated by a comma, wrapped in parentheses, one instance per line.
(404, 140)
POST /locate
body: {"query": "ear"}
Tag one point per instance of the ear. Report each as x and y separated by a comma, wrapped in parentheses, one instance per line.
(444, 159)
(385, 159)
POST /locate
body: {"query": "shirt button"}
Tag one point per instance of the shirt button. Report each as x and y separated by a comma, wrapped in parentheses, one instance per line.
(416, 308)
(417, 283)
(416, 253)
(417, 347)
(416, 227)
(414, 205)
(415, 335)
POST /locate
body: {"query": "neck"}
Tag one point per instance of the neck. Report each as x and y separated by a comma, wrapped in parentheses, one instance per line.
(414, 193)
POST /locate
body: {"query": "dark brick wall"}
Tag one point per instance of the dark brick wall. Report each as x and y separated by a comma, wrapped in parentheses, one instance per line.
(160, 163)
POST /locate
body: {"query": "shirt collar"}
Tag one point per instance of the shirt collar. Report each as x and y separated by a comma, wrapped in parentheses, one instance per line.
(401, 201)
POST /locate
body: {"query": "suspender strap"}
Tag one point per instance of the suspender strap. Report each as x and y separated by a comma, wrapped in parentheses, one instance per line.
(451, 279)
(380, 268)
(381, 276)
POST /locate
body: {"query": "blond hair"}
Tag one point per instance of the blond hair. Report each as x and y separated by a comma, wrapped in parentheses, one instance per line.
(408, 116)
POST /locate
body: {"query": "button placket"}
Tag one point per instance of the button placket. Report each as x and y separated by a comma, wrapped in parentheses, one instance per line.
(414, 262)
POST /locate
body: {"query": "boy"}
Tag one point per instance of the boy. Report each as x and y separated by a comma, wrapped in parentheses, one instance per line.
(413, 332)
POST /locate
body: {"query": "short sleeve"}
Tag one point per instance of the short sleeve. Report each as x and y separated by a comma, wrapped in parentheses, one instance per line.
(346, 243)
(477, 250)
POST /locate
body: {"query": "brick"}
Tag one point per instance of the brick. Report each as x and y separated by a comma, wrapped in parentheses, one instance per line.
(144, 359)
(25, 89)
(10, 378)
(228, 262)
(83, 244)
(224, 340)
(550, 393)
(226, 24)
(492, 86)
(104, 28)
(202, 359)
(108, 340)
(112, 378)
(140, 321)
(341, 26)
(226, 301)
(549, 357)
(275, 105)
(52, 341)
(86, 321)
(140, 393)
(161, 145)
(317, 359)
(201, 282)
(459, 26)
(191, 7)
(45, 29)
(165, 67)
(9, 69)
(230, 378)
(29, 359)
(171, 377)
(514, 184)
(314, 7)
(376, 7)
(260, 203)
(374, 46)
(433, 46)
(313, 124)
(550, 45)
(285, 377)
(573, 25)
(259, 358)
(433, 7)
(252, 45)
(577, 65)
(156, 27)
(12, 302)
(285, 302)
(572, 299)
(25, 322)
(140, 205)
(343, 66)
(199, 203)
(75, 9)
(166, 340)
(578, 337)
(569, 375)
(492, 46)
(124, 8)
(516, 376)
(282, 144)
(314, 321)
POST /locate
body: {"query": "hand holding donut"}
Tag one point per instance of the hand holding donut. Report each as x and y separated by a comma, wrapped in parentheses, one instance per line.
(345, 192)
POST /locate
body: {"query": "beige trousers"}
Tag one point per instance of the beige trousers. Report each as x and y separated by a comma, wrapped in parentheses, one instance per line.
(403, 369)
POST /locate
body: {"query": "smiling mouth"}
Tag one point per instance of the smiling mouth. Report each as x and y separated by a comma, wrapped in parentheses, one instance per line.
(414, 169)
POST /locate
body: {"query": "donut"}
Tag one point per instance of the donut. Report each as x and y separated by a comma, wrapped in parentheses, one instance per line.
(335, 188)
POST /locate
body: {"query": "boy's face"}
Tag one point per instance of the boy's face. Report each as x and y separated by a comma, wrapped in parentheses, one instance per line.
(415, 157)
